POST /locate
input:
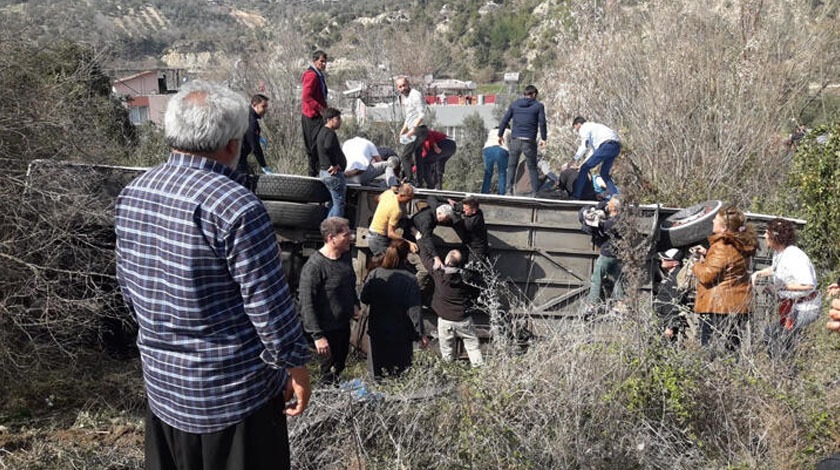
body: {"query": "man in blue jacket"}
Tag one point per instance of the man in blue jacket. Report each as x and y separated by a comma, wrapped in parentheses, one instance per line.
(528, 115)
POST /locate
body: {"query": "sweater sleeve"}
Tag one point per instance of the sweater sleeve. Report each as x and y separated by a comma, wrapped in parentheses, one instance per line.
(413, 307)
(505, 121)
(308, 294)
(543, 126)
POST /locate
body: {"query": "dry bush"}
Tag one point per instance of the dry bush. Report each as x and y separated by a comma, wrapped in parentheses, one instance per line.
(58, 292)
(702, 94)
(601, 393)
(588, 395)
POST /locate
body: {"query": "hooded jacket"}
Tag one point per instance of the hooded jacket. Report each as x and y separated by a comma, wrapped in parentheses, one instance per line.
(723, 280)
(528, 116)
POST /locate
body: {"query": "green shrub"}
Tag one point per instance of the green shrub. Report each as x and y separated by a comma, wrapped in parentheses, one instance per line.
(815, 180)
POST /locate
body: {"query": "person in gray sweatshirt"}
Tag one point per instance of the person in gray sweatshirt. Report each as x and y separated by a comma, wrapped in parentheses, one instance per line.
(527, 116)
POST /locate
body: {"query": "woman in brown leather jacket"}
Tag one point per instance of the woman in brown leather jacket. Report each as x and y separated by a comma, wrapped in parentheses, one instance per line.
(724, 291)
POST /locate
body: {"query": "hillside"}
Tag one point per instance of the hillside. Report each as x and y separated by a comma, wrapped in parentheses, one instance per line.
(471, 39)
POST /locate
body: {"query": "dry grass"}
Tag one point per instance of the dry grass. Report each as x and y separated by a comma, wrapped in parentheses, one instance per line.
(599, 394)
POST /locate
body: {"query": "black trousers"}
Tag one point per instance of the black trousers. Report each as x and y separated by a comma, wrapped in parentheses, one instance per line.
(261, 441)
(311, 126)
(333, 365)
(411, 153)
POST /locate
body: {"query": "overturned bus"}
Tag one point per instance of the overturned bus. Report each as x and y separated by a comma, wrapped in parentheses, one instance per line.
(537, 247)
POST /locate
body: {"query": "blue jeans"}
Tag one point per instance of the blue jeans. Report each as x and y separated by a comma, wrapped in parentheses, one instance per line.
(606, 267)
(337, 187)
(529, 148)
(604, 156)
(495, 156)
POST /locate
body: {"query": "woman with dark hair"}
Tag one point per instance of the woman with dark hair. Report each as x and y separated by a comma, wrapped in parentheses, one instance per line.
(395, 321)
(724, 292)
(794, 283)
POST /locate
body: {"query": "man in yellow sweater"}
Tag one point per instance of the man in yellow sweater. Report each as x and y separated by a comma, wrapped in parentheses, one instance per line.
(386, 218)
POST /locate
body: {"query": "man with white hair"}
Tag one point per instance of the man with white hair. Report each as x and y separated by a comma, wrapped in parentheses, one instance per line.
(425, 222)
(198, 264)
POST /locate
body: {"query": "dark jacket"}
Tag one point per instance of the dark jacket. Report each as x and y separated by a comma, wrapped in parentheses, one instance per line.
(329, 149)
(425, 222)
(528, 116)
(452, 294)
(394, 299)
(670, 301)
(251, 143)
(327, 293)
(566, 182)
(471, 230)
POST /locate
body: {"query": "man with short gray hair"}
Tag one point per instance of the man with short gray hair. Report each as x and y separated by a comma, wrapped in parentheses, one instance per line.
(425, 221)
(198, 265)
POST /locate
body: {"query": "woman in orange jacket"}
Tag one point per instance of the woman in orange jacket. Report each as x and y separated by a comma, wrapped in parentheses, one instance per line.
(724, 291)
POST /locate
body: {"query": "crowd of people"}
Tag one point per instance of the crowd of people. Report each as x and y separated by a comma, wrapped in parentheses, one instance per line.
(224, 348)
(422, 160)
(710, 290)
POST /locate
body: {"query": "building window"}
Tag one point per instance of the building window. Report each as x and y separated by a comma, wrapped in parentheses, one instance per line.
(139, 114)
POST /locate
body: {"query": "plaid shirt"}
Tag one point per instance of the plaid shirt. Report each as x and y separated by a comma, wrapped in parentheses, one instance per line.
(198, 264)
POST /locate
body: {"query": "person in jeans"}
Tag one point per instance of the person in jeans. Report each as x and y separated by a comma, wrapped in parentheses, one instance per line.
(328, 297)
(331, 161)
(198, 264)
(605, 148)
(607, 266)
(365, 165)
(527, 116)
(449, 302)
(495, 154)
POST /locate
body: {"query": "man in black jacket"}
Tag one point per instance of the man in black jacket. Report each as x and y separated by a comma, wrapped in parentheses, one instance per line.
(470, 227)
(425, 221)
(251, 139)
(671, 302)
(328, 297)
(449, 303)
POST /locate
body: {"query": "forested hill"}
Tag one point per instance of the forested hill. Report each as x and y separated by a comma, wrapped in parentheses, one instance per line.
(467, 38)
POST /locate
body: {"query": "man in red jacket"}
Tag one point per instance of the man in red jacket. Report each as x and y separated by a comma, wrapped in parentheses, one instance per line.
(313, 103)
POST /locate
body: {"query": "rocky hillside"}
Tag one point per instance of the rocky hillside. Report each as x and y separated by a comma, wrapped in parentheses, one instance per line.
(469, 37)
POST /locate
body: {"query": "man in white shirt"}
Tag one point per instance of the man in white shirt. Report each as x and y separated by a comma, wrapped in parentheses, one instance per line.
(605, 146)
(414, 130)
(364, 163)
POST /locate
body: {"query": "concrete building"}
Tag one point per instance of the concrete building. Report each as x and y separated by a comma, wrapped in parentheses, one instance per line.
(147, 93)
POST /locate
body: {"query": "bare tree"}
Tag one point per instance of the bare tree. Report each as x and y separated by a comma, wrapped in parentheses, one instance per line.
(701, 103)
